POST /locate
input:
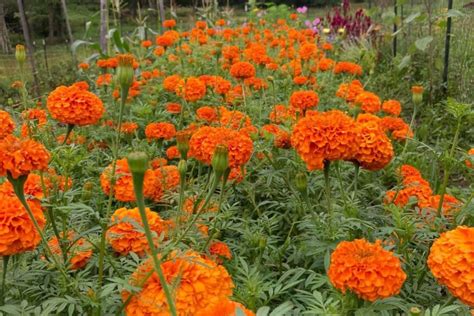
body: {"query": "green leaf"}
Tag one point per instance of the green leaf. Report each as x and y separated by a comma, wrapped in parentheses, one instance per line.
(404, 62)
(422, 43)
(411, 17)
(454, 13)
(263, 311)
(282, 309)
(78, 43)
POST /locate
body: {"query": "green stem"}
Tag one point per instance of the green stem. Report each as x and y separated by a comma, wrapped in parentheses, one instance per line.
(138, 178)
(70, 127)
(447, 169)
(327, 183)
(356, 177)
(4, 277)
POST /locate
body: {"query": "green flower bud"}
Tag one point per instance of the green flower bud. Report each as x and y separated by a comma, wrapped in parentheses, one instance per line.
(182, 139)
(301, 182)
(20, 54)
(125, 72)
(415, 311)
(220, 160)
(182, 167)
(138, 162)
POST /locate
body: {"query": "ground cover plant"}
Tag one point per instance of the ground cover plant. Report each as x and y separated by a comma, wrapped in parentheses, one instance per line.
(229, 168)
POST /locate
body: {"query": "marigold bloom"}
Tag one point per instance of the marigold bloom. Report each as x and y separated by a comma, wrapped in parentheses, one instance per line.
(162, 130)
(173, 108)
(17, 232)
(79, 250)
(146, 43)
(172, 153)
(374, 150)
(192, 89)
(83, 66)
(205, 140)
(167, 176)
(165, 40)
(21, 156)
(451, 261)
(171, 82)
(349, 92)
(242, 70)
(392, 107)
(308, 50)
(233, 119)
(324, 136)
(417, 89)
(468, 161)
(123, 189)
(304, 100)
(125, 235)
(169, 24)
(281, 114)
(6, 124)
(220, 249)
(220, 85)
(129, 127)
(348, 67)
(76, 106)
(229, 308)
(200, 285)
(325, 64)
(207, 113)
(158, 162)
(104, 80)
(366, 269)
(397, 126)
(369, 102)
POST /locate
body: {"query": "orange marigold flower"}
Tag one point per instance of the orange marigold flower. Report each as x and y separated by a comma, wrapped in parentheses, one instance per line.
(168, 177)
(369, 102)
(374, 150)
(201, 24)
(242, 70)
(229, 308)
(234, 119)
(324, 136)
(450, 204)
(72, 139)
(104, 80)
(125, 236)
(281, 114)
(397, 126)
(327, 46)
(207, 113)
(6, 124)
(162, 130)
(349, 92)
(17, 232)
(173, 108)
(169, 24)
(300, 80)
(308, 50)
(304, 100)
(146, 43)
(220, 85)
(199, 285)
(129, 127)
(470, 153)
(171, 82)
(205, 140)
(325, 64)
(417, 89)
(123, 189)
(348, 67)
(366, 269)
(165, 40)
(452, 263)
(19, 157)
(83, 66)
(192, 89)
(76, 106)
(158, 162)
(79, 250)
(172, 153)
(237, 175)
(220, 249)
(392, 107)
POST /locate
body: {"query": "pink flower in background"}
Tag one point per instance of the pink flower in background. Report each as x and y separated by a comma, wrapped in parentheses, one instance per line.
(302, 10)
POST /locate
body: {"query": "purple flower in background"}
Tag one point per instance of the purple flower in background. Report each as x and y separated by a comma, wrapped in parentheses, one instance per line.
(316, 21)
(302, 10)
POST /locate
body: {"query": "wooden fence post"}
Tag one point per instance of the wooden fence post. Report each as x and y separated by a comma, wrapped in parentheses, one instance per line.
(395, 28)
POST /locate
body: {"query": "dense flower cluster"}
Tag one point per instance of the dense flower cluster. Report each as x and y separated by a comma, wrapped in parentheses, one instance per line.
(6, 124)
(75, 105)
(451, 260)
(162, 130)
(366, 269)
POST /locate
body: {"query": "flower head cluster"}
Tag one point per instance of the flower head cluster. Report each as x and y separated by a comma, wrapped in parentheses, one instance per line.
(451, 260)
(207, 114)
(304, 100)
(6, 124)
(348, 68)
(369, 102)
(392, 107)
(350, 91)
(192, 89)
(162, 130)
(21, 156)
(375, 149)
(17, 232)
(75, 105)
(200, 286)
(205, 140)
(242, 70)
(366, 269)
(126, 233)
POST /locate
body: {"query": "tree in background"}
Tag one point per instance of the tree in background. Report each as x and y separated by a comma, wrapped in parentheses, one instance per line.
(5, 45)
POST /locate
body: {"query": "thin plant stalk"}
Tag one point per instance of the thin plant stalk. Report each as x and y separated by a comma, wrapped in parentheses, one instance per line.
(4, 277)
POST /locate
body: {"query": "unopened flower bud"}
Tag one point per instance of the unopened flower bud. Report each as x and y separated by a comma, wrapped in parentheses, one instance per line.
(417, 94)
(301, 182)
(87, 190)
(415, 311)
(137, 162)
(182, 167)
(182, 139)
(20, 54)
(220, 160)
(124, 75)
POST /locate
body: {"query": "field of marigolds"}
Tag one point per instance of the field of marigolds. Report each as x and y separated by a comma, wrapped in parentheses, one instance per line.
(226, 168)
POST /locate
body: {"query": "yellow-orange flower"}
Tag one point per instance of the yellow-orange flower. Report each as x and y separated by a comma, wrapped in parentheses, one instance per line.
(21, 156)
(242, 70)
(6, 124)
(350, 91)
(205, 140)
(17, 232)
(123, 188)
(324, 136)
(304, 100)
(75, 105)
(392, 107)
(199, 285)
(169, 24)
(126, 233)
(368, 102)
(168, 176)
(348, 67)
(162, 130)
(233, 119)
(366, 269)
(220, 249)
(451, 261)
(374, 149)
(192, 89)
(206, 113)
(171, 82)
